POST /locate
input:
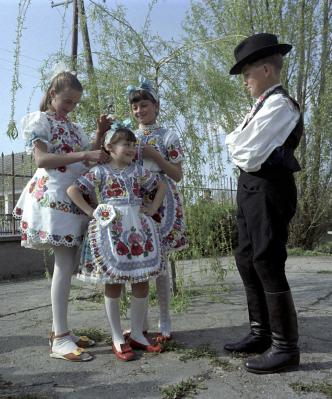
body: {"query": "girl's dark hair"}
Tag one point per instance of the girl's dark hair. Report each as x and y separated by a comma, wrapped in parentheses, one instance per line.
(62, 81)
(139, 95)
(123, 134)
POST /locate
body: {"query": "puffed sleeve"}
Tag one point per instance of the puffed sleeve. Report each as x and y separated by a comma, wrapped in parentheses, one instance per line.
(88, 182)
(149, 180)
(85, 141)
(35, 126)
(174, 148)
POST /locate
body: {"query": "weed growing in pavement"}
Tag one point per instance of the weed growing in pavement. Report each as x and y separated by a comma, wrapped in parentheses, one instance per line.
(201, 351)
(321, 387)
(173, 346)
(96, 334)
(184, 389)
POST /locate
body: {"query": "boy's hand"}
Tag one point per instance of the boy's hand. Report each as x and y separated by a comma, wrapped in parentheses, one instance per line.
(148, 151)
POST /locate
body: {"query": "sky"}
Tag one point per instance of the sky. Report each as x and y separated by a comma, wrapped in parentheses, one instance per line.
(41, 38)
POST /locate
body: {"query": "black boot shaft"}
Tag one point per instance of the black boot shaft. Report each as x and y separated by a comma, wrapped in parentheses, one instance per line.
(284, 352)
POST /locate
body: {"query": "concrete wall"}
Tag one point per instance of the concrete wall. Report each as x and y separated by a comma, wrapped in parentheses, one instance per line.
(16, 261)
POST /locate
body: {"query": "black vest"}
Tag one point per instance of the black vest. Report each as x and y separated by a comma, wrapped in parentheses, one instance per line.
(282, 159)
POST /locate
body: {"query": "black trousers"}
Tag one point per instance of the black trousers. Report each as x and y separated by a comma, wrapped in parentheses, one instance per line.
(265, 208)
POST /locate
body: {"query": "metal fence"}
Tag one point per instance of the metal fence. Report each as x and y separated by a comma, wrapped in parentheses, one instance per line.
(15, 172)
(17, 169)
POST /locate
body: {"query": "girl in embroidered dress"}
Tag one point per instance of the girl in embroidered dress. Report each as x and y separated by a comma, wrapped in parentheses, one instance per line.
(122, 243)
(160, 151)
(48, 218)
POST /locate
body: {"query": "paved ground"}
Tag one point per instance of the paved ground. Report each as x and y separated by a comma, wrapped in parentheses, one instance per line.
(26, 371)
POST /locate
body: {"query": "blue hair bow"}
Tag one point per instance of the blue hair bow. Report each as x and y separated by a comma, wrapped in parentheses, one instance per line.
(117, 125)
(144, 84)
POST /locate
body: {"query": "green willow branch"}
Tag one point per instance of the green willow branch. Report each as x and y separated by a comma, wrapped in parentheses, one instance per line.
(22, 10)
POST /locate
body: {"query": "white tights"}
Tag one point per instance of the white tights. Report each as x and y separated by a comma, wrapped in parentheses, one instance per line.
(163, 293)
(63, 269)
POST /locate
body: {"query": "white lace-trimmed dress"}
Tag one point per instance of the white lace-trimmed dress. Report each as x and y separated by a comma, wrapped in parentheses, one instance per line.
(122, 244)
(47, 215)
(170, 214)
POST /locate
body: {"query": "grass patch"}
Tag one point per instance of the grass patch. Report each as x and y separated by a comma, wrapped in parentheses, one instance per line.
(96, 334)
(238, 355)
(320, 387)
(201, 351)
(305, 252)
(173, 346)
(223, 363)
(184, 389)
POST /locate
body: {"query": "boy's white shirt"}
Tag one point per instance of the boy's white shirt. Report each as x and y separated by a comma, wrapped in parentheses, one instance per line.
(250, 146)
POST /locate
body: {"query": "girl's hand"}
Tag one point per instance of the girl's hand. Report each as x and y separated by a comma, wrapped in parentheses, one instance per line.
(99, 156)
(90, 213)
(148, 211)
(103, 125)
(148, 151)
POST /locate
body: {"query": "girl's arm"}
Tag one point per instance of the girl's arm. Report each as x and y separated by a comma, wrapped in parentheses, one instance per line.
(75, 194)
(173, 170)
(158, 200)
(103, 125)
(45, 159)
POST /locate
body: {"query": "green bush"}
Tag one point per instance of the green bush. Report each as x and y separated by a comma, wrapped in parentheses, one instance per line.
(211, 229)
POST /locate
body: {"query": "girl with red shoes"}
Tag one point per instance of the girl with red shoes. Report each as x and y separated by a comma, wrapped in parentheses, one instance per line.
(122, 244)
(160, 151)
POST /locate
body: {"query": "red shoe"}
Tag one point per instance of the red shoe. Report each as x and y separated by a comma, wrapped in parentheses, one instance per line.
(161, 339)
(126, 334)
(126, 354)
(153, 348)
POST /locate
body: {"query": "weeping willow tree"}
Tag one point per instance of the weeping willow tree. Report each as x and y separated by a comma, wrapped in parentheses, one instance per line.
(306, 74)
(121, 53)
(124, 53)
(201, 102)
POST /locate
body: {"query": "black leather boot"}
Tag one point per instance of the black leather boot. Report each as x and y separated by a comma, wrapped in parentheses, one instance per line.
(284, 353)
(259, 338)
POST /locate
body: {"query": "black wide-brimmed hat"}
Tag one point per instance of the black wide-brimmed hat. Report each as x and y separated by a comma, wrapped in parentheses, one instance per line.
(256, 47)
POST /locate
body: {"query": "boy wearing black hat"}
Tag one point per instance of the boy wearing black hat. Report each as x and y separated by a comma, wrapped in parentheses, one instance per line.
(263, 148)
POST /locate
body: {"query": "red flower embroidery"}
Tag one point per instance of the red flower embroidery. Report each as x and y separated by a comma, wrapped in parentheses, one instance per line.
(24, 237)
(24, 225)
(32, 186)
(170, 237)
(121, 248)
(136, 249)
(61, 130)
(89, 267)
(62, 169)
(42, 234)
(18, 211)
(173, 154)
(67, 148)
(179, 213)
(105, 214)
(148, 246)
(41, 182)
(156, 217)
